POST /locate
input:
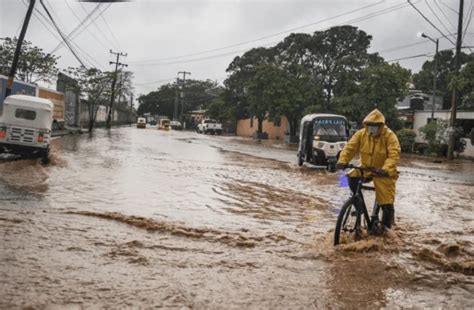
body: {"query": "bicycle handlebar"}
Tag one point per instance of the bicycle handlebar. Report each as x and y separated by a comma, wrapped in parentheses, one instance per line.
(375, 171)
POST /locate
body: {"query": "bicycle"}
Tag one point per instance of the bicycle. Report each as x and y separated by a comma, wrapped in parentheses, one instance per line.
(354, 209)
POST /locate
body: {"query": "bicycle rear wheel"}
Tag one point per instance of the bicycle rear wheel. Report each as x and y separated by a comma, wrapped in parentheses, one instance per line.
(348, 222)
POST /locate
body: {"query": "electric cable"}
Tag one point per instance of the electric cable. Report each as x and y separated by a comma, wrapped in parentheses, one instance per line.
(355, 20)
(433, 25)
(78, 26)
(264, 37)
(437, 17)
(62, 34)
(444, 14)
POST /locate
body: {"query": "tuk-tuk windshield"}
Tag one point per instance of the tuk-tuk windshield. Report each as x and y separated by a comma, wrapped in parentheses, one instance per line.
(330, 129)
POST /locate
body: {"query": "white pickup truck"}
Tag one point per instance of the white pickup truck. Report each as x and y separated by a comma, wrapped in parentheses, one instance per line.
(209, 126)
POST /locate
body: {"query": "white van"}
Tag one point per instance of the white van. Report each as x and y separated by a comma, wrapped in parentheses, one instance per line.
(25, 126)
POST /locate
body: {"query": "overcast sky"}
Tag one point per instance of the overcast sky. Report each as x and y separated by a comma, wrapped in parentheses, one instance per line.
(209, 34)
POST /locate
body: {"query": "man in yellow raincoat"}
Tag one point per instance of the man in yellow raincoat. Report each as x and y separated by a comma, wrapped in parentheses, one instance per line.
(378, 147)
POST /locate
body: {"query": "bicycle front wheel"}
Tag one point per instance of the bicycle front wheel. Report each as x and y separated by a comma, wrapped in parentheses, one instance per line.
(348, 222)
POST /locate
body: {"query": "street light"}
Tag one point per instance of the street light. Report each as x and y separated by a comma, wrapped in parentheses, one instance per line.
(435, 75)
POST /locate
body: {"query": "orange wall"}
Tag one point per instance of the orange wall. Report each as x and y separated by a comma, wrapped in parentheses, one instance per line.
(57, 99)
(244, 129)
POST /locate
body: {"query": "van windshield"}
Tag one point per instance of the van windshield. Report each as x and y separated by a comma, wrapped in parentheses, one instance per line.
(25, 114)
(330, 129)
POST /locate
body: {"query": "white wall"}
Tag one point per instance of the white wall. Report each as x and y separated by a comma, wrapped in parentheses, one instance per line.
(421, 119)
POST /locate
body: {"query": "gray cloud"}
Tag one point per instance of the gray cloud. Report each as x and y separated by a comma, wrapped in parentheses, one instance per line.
(150, 30)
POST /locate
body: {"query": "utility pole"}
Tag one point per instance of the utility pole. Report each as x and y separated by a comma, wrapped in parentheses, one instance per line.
(16, 56)
(175, 113)
(182, 92)
(454, 99)
(435, 77)
(131, 108)
(114, 81)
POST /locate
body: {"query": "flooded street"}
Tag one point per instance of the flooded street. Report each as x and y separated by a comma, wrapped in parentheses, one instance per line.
(150, 218)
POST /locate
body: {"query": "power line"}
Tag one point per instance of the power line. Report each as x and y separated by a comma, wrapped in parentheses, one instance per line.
(425, 55)
(37, 11)
(110, 29)
(154, 82)
(355, 20)
(62, 34)
(444, 14)
(98, 28)
(433, 25)
(264, 37)
(450, 8)
(469, 20)
(437, 17)
(70, 35)
(88, 30)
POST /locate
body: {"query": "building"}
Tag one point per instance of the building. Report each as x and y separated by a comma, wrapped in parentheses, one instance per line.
(464, 119)
(275, 130)
(416, 101)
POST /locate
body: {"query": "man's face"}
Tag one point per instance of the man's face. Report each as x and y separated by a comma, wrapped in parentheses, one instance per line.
(373, 129)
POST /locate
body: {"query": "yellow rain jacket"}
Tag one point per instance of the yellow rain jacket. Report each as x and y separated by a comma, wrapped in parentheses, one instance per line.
(381, 151)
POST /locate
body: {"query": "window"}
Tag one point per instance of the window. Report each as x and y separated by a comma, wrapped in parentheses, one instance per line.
(25, 114)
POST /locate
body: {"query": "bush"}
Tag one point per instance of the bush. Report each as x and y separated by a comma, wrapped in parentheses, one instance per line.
(406, 137)
(437, 136)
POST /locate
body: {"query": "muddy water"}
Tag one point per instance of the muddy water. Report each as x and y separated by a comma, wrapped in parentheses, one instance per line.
(175, 219)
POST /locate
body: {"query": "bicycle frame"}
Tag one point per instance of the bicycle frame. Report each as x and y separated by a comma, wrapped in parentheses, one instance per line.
(359, 202)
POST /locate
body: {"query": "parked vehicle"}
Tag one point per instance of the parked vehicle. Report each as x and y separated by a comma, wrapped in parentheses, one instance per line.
(209, 126)
(164, 124)
(175, 125)
(322, 138)
(19, 87)
(57, 98)
(141, 122)
(25, 126)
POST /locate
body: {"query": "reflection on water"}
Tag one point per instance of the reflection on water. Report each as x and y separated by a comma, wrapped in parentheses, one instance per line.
(176, 219)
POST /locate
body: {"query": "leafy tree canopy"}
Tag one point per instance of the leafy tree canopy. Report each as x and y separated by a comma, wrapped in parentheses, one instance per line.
(33, 66)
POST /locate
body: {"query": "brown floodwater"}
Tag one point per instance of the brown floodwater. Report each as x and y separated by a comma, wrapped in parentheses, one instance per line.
(147, 218)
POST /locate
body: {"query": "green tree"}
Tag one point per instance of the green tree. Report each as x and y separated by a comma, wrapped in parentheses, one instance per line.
(337, 57)
(196, 94)
(93, 88)
(33, 65)
(241, 70)
(467, 78)
(380, 85)
(423, 80)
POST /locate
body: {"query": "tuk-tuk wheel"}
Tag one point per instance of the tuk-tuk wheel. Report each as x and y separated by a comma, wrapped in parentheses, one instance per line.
(300, 160)
(45, 157)
(331, 167)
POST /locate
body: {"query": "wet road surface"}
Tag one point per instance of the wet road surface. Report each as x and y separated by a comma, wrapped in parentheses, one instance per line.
(150, 218)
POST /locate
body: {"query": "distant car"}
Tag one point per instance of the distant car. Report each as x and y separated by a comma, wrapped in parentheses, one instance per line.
(209, 126)
(175, 125)
(164, 124)
(141, 122)
(152, 122)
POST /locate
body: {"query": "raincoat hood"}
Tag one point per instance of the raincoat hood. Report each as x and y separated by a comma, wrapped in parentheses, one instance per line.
(374, 117)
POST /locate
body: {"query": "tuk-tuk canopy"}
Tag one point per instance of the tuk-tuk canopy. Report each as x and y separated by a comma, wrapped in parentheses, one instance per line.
(29, 102)
(312, 117)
